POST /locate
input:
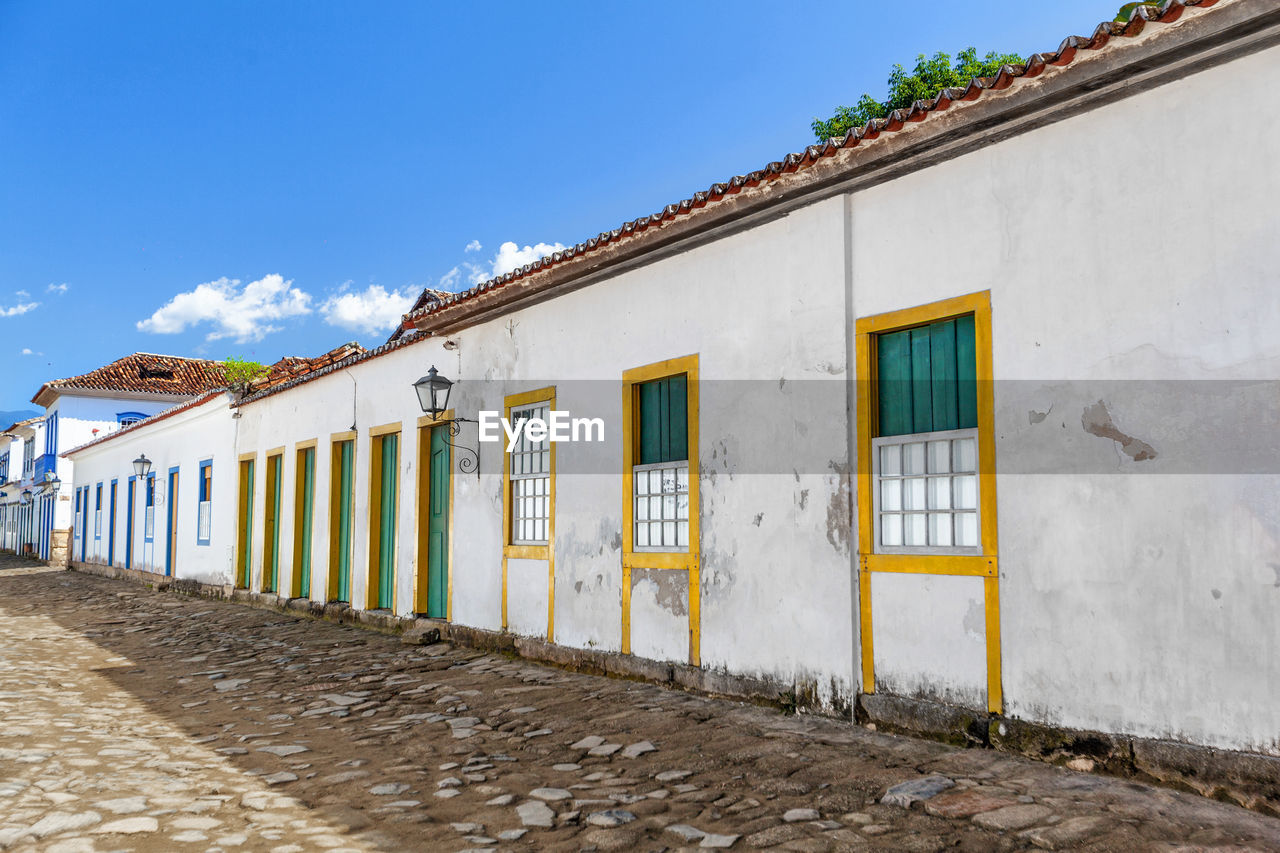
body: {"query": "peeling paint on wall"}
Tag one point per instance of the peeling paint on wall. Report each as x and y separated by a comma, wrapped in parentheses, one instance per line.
(840, 510)
(1096, 420)
(669, 588)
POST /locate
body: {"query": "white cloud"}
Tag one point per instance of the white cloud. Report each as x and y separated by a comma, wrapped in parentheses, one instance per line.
(474, 246)
(372, 310)
(245, 315)
(19, 309)
(510, 256)
(449, 281)
(57, 288)
(27, 351)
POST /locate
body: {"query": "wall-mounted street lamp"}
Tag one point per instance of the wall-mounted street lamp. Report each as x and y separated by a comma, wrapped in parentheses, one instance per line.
(142, 466)
(433, 396)
(51, 483)
(25, 497)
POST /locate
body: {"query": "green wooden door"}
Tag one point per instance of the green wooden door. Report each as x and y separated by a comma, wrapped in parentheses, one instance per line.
(387, 526)
(438, 526)
(308, 464)
(246, 523)
(344, 521)
(274, 465)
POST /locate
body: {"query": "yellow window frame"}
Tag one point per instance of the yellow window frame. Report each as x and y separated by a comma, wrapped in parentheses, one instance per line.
(373, 508)
(689, 560)
(985, 564)
(530, 552)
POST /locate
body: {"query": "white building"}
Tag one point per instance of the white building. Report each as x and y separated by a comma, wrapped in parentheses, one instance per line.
(82, 408)
(24, 509)
(173, 515)
(973, 409)
(160, 516)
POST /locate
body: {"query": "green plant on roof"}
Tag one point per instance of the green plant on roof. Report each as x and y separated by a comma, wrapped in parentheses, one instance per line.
(240, 373)
(1127, 10)
(929, 76)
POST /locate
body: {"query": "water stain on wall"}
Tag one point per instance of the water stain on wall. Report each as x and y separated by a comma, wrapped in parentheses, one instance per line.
(670, 588)
(1096, 420)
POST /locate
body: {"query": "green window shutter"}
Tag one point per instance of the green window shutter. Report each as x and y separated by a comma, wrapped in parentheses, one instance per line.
(651, 418)
(894, 375)
(967, 374)
(927, 378)
(942, 375)
(664, 420)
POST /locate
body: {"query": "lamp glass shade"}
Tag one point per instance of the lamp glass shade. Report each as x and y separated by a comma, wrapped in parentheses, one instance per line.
(433, 393)
(141, 466)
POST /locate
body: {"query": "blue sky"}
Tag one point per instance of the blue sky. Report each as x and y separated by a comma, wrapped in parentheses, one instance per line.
(266, 178)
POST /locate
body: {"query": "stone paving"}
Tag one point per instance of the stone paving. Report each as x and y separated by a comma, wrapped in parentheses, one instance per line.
(134, 720)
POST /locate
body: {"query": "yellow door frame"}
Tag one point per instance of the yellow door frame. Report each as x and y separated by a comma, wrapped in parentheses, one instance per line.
(420, 549)
(688, 561)
(985, 565)
(376, 434)
(530, 552)
(332, 581)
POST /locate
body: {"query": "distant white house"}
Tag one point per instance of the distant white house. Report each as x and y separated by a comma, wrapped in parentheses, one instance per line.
(171, 513)
(21, 518)
(77, 410)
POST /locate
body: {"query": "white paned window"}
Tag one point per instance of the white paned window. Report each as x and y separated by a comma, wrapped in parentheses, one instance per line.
(530, 481)
(204, 519)
(97, 524)
(926, 493)
(149, 523)
(661, 513)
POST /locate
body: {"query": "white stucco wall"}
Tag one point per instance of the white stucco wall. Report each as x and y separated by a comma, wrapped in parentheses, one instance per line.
(776, 576)
(183, 440)
(1136, 597)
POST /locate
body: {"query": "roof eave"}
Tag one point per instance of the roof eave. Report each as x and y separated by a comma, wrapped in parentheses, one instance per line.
(1160, 54)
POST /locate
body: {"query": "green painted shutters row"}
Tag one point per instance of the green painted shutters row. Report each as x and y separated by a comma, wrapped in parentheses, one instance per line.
(664, 420)
(928, 378)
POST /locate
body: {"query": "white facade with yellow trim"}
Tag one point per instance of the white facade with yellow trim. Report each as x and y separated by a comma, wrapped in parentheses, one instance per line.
(1125, 578)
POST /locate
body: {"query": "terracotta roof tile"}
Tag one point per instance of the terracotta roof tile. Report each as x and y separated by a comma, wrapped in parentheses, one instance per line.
(1162, 13)
(142, 372)
(431, 301)
(291, 366)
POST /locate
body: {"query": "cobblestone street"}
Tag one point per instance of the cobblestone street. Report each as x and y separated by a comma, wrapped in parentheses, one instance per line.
(135, 720)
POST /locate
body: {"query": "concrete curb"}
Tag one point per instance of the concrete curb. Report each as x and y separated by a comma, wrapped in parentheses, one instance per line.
(1250, 780)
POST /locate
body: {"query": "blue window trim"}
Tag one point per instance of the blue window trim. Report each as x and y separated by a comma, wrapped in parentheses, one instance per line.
(149, 501)
(130, 496)
(171, 519)
(114, 492)
(51, 433)
(84, 518)
(200, 498)
(97, 528)
(121, 417)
